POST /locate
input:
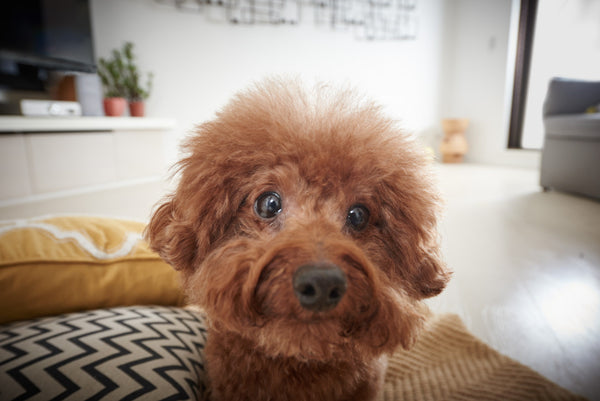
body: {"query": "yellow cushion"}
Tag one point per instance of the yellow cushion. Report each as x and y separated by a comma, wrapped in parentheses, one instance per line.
(72, 263)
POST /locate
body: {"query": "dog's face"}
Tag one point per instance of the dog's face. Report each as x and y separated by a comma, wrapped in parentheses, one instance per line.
(305, 223)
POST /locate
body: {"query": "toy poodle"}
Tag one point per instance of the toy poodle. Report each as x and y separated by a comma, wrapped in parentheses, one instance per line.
(304, 225)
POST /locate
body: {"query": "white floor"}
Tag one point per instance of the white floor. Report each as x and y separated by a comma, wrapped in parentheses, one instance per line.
(526, 263)
(527, 270)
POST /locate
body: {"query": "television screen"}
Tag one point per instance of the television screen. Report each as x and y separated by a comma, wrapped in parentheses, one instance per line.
(49, 34)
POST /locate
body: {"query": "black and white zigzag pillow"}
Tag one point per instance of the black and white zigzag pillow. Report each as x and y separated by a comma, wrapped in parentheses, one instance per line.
(143, 352)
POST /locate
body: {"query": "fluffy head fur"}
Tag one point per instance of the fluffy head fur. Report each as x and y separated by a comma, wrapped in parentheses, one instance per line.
(322, 151)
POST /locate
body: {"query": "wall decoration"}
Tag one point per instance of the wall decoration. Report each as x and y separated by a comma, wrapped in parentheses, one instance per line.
(367, 19)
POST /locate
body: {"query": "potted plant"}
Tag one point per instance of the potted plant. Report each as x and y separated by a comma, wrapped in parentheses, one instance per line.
(113, 80)
(136, 92)
(122, 82)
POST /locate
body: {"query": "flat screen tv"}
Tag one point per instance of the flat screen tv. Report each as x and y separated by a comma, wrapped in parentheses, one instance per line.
(41, 35)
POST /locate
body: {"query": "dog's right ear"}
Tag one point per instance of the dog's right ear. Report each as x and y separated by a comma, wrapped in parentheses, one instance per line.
(172, 239)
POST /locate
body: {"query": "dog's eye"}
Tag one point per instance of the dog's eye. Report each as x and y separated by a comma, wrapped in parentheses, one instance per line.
(358, 217)
(268, 205)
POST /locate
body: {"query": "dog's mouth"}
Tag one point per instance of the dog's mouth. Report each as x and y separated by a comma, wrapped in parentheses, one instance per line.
(338, 288)
(323, 308)
(293, 300)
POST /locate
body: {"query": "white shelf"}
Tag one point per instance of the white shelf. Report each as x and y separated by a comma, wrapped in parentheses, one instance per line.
(78, 124)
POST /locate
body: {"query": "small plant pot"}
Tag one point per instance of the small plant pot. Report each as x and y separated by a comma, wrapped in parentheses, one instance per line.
(136, 109)
(114, 106)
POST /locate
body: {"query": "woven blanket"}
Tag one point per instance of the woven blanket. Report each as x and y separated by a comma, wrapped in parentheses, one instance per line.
(449, 363)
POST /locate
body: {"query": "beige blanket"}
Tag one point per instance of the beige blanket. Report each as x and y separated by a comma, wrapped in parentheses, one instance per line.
(448, 363)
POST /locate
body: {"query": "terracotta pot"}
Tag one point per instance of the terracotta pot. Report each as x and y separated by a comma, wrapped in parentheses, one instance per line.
(454, 144)
(114, 106)
(136, 109)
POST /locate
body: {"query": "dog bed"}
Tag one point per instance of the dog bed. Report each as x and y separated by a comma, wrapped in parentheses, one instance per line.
(156, 353)
(59, 264)
(88, 272)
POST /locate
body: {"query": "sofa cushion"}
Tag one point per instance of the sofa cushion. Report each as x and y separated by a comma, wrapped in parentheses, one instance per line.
(573, 126)
(152, 353)
(72, 263)
(570, 96)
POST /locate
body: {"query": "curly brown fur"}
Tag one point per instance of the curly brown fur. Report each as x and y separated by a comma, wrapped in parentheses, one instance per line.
(322, 151)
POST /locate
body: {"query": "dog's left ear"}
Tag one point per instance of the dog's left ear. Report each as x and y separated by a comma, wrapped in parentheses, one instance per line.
(416, 258)
(431, 274)
(410, 229)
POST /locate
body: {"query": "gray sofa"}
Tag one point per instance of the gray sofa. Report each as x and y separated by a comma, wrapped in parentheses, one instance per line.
(571, 153)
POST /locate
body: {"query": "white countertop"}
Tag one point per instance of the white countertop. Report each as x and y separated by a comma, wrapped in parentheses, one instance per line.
(61, 124)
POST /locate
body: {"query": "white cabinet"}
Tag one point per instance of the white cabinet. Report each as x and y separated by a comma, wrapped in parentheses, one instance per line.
(42, 157)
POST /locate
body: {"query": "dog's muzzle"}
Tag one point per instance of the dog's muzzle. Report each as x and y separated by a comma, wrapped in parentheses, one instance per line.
(319, 286)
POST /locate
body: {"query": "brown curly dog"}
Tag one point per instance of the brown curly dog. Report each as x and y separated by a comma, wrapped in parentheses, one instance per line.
(304, 224)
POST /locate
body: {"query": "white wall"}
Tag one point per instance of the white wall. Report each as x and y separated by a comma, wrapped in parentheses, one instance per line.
(461, 65)
(199, 64)
(566, 44)
(480, 38)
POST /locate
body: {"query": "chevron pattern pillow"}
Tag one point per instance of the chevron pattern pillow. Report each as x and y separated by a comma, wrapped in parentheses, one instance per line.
(151, 353)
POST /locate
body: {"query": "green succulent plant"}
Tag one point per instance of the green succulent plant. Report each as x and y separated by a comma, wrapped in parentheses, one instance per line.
(113, 80)
(121, 77)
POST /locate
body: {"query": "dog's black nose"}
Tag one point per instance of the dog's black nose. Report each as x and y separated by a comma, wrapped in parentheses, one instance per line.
(319, 287)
